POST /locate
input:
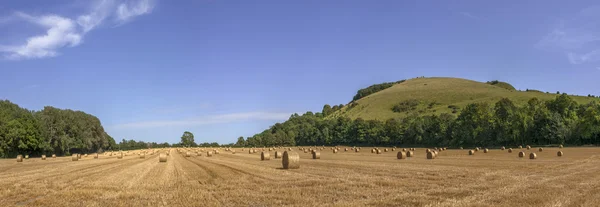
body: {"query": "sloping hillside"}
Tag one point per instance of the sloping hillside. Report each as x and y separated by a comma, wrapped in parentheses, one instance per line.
(435, 96)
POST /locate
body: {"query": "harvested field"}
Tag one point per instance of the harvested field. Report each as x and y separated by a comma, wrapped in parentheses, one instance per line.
(453, 178)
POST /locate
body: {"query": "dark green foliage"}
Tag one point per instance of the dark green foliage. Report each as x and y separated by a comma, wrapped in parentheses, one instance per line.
(404, 106)
(187, 139)
(374, 89)
(558, 121)
(49, 131)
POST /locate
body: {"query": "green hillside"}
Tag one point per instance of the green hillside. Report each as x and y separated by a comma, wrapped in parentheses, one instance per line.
(435, 96)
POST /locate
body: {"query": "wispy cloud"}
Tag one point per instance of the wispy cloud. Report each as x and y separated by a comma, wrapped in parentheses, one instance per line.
(469, 15)
(578, 37)
(213, 119)
(64, 32)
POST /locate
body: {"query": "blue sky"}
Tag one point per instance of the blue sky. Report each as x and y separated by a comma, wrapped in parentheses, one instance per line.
(151, 69)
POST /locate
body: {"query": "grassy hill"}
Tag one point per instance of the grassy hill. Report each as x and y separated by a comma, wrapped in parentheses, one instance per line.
(435, 96)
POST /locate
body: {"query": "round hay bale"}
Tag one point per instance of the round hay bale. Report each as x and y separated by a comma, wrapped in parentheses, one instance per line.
(345, 149)
(410, 153)
(413, 149)
(430, 155)
(461, 147)
(290, 160)
(209, 154)
(188, 154)
(476, 149)
(74, 157)
(427, 150)
(532, 155)
(217, 152)
(471, 152)
(26, 157)
(393, 149)
(265, 156)
(485, 150)
(503, 148)
(316, 155)
(403, 149)
(162, 157)
(378, 151)
(385, 150)
(335, 151)
(119, 155)
(305, 151)
(79, 156)
(528, 147)
(95, 155)
(520, 147)
(290, 149)
(373, 150)
(43, 157)
(509, 150)
(278, 154)
(521, 154)
(541, 149)
(356, 150)
(19, 158)
(85, 155)
(53, 155)
(232, 151)
(559, 153)
(142, 155)
(560, 146)
(401, 155)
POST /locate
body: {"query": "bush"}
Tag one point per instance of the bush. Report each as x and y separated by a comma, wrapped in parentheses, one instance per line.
(407, 105)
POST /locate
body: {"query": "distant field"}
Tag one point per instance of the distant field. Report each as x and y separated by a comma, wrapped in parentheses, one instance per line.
(440, 92)
(497, 178)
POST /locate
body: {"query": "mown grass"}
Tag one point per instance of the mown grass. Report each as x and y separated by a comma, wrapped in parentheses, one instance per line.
(443, 92)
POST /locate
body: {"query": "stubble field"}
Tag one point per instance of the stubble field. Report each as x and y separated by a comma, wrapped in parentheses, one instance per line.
(454, 178)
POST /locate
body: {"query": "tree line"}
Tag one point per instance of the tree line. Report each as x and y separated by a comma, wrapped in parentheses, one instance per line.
(49, 131)
(552, 122)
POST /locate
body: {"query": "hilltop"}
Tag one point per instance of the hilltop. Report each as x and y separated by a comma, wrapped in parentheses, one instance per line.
(437, 95)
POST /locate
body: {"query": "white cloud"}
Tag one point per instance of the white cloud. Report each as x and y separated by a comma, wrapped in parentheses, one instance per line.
(582, 58)
(214, 119)
(64, 32)
(578, 37)
(128, 10)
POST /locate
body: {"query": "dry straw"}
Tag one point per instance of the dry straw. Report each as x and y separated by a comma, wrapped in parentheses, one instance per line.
(26, 157)
(401, 155)
(290, 160)
(560, 146)
(142, 155)
(509, 150)
(19, 158)
(471, 152)
(385, 150)
(209, 154)
(335, 151)
(503, 148)
(120, 155)
(485, 150)
(277, 154)
(43, 157)
(265, 156)
(188, 154)
(53, 155)
(528, 147)
(410, 153)
(356, 150)
(559, 153)
(378, 151)
(316, 155)
(541, 149)
(532, 155)
(162, 157)
(431, 155)
(521, 154)
(74, 157)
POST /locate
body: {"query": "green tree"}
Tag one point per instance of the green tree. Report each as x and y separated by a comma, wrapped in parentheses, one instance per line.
(187, 139)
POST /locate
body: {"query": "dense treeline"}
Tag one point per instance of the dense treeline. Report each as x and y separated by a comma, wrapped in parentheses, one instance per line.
(374, 89)
(49, 131)
(558, 121)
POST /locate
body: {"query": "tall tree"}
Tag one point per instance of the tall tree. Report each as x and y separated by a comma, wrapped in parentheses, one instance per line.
(187, 139)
